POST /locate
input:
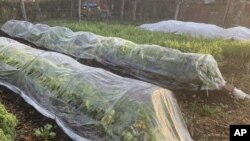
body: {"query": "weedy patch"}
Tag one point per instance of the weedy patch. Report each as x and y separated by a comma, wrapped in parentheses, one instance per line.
(246, 77)
(211, 110)
(45, 133)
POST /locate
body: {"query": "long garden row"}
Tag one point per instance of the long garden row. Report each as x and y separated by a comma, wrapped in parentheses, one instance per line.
(89, 102)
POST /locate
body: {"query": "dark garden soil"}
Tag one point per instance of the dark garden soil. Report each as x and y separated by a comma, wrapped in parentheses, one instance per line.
(29, 119)
(208, 115)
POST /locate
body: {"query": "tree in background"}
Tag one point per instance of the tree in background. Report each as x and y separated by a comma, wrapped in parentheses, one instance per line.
(240, 11)
(134, 9)
(79, 10)
(72, 4)
(39, 11)
(229, 3)
(22, 5)
(122, 9)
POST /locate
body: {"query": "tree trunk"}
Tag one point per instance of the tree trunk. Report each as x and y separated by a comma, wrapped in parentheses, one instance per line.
(141, 11)
(9, 9)
(240, 13)
(145, 13)
(112, 5)
(23, 10)
(79, 10)
(154, 11)
(177, 9)
(226, 12)
(135, 2)
(122, 9)
(39, 11)
(71, 8)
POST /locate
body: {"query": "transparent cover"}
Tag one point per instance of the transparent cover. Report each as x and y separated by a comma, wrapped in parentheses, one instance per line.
(87, 102)
(199, 29)
(163, 66)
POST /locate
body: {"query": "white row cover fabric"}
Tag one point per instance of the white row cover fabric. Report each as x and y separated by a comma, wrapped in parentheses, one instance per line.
(199, 29)
(163, 66)
(87, 102)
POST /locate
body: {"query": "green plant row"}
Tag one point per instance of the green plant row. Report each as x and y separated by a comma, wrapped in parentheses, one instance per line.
(186, 43)
(8, 122)
(166, 67)
(89, 95)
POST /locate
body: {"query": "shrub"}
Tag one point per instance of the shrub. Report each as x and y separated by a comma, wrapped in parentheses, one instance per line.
(7, 125)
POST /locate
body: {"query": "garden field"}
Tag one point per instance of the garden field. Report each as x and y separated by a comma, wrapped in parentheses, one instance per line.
(207, 114)
(219, 48)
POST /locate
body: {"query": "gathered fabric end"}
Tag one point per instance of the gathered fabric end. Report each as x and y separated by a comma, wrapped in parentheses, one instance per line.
(239, 94)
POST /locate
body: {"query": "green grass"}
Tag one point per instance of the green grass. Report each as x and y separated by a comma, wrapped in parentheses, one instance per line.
(211, 110)
(217, 47)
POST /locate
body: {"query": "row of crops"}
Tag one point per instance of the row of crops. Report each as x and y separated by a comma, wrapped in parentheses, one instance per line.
(162, 66)
(83, 99)
(219, 48)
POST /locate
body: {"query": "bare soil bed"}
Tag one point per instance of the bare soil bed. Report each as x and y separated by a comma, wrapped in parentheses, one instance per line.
(208, 115)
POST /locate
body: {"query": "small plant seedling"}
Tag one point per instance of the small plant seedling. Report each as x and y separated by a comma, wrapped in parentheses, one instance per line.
(45, 133)
(211, 110)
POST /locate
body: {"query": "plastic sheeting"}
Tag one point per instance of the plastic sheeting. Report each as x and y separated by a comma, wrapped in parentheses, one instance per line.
(90, 102)
(199, 29)
(166, 67)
